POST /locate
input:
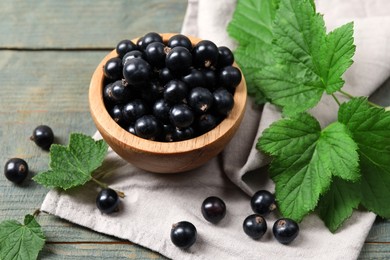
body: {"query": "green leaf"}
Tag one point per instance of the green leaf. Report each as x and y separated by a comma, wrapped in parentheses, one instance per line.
(370, 128)
(308, 61)
(305, 159)
(338, 203)
(73, 165)
(251, 26)
(21, 241)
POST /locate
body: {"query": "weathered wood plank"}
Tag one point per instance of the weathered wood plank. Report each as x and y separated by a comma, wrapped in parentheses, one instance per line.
(84, 24)
(375, 251)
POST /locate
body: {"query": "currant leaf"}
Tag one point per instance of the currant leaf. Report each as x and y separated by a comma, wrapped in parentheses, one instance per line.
(73, 165)
(21, 241)
(305, 158)
(370, 128)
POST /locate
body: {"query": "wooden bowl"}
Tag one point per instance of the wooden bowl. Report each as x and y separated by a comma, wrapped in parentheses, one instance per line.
(163, 157)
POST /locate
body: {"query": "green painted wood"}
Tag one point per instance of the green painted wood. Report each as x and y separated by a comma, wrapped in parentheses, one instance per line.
(84, 24)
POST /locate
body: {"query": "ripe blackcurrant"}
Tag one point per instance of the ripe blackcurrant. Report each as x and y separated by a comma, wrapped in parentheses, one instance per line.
(263, 202)
(147, 127)
(43, 136)
(113, 68)
(205, 54)
(179, 60)
(137, 71)
(165, 75)
(107, 200)
(116, 92)
(254, 226)
(155, 54)
(179, 40)
(229, 77)
(149, 38)
(223, 101)
(181, 134)
(213, 209)
(181, 116)
(116, 113)
(16, 170)
(195, 78)
(124, 47)
(161, 110)
(175, 91)
(285, 230)
(200, 99)
(183, 234)
(225, 57)
(205, 123)
(134, 110)
(131, 55)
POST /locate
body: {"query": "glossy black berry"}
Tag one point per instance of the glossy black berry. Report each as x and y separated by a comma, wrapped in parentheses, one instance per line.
(229, 77)
(205, 54)
(133, 54)
(195, 78)
(223, 101)
(200, 100)
(116, 92)
(116, 113)
(181, 116)
(183, 234)
(263, 202)
(113, 68)
(155, 54)
(213, 209)
(16, 170)
(107, 201)
(180, 40)
(285, 230)
(43, 136)
(165, 75)
(181, 134)
(161, 110)
(210, 78)
(137, 71)
(150, 38)
(175, 91)
(225, 57)
(254, 226)
(147, 127)
(134, 110)
(124, 47)
(205, 123)
(178, 60)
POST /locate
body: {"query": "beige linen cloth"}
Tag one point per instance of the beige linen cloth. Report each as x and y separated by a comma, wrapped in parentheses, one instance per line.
(154, 202)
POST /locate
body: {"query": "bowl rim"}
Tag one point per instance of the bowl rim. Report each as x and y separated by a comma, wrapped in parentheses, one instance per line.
(106, 124)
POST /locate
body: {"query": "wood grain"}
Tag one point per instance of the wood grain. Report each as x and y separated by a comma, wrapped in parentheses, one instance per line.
(50, 86)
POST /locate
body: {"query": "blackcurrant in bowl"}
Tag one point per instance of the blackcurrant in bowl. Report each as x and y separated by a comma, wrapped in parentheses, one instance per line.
(191, 144)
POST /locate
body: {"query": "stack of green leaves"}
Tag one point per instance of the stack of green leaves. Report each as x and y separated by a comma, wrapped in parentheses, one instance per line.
(290, 60)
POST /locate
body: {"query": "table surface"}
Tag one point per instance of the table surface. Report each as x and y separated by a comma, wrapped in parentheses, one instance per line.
(48, 52)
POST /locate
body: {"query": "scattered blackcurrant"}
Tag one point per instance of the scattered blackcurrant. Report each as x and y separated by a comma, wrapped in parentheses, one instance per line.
(107, 200)
(255, 226)
(285, 230)
(43, 136)
(263, 202)
(213, 209)
(16, 170)
(183, 234)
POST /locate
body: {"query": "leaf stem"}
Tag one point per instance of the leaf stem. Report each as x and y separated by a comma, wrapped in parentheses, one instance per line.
(36, 213)
(351, 96)
(336, 99)
(105, 186)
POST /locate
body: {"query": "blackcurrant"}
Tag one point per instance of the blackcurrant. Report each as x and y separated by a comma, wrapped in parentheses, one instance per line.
(205, 54)
(131, 55)
(124, 47)
(285, 230)
(151, 92)
(210, 78)
(223, 101)
(181, 116)
(229, 77)
(180, 40)
(205, 123)
(147, 127)
(107, 200)
(134, 110)
(175, 91)
(116, 113)
(195, 78)
(183, 234)
(113, 68)
(200, 99)
(213, 209)
(43, 136)
(155, 54)
(178, 59)
(263, 202)
(181, 134)
(225, 57)
(255, 226)
(149, 38)
(165, 75)
(161, 110)
(137, 71)
(16, 170)
(117, 92)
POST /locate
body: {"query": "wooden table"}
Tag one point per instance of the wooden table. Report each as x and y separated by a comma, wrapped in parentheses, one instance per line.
(48, 51)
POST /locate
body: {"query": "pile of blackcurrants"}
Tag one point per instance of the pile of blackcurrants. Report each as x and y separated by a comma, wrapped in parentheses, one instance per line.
(169, 91)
